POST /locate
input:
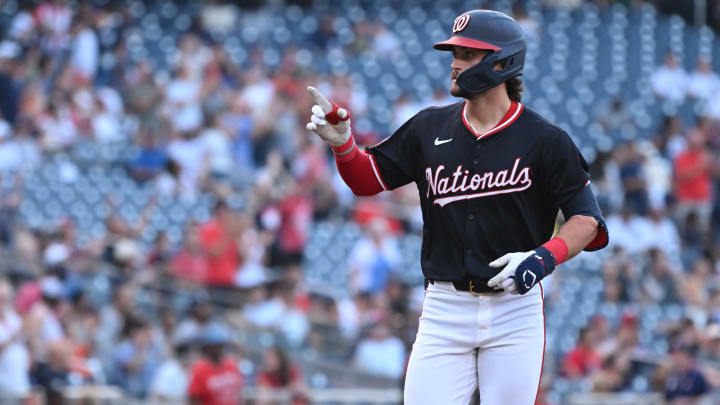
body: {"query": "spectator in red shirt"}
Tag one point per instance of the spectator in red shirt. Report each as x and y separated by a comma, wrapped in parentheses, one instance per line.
(190, 262)
(296, 211)
(217, 239)
(279, 377)
(583, 359)
(215, 378)
(693, 183)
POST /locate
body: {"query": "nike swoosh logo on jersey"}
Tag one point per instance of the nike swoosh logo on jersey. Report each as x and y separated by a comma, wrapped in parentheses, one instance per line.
(439, 142)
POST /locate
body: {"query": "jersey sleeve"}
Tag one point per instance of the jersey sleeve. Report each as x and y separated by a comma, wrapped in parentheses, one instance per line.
(396, 157)
(566, 171)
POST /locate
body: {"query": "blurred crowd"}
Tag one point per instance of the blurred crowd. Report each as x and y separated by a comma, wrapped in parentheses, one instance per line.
(204, 126)
(172, 325)
(659, 195)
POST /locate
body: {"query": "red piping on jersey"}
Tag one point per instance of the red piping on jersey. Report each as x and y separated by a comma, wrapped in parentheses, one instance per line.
(542, 363)
(376, 170)
(510, 116)
(357, 168)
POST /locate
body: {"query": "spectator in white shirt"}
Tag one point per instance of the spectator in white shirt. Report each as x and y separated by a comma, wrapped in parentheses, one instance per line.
(106, 126)
(190, 152)
(258, 91)
(662, 233)
(670, 81)
(386, 43)
(373, 258)
(14, 358)
(381, 353)
(22, 25)
(218, 145)
(85, 49)
(169, 385)
(189, 329)
(182, 107)
(704, 83)
(629, 231)
(262, 310)
(404, 109)
(8, 156)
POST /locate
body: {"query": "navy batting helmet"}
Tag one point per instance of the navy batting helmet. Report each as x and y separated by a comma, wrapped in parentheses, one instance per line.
(492, 31)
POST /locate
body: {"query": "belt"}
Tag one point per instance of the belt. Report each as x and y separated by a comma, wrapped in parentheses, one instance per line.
(475, 287)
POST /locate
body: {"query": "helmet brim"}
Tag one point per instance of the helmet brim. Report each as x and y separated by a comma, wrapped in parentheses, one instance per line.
(466, 42)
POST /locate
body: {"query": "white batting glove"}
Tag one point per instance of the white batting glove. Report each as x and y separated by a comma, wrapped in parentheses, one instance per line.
(328, 121)
(505, 279)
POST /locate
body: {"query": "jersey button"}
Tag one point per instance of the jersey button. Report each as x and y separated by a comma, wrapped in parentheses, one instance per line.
(478, 145)
(476, 161)
(471, 217)
(469, 252)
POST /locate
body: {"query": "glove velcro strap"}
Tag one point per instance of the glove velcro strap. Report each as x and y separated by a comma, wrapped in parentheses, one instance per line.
(533, 269)
(333, 118)
(546, 258)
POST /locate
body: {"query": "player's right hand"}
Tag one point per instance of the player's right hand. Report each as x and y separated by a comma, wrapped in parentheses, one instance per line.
(328, 121)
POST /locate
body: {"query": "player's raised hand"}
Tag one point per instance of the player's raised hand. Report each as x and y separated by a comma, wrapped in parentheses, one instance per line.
(329, 121)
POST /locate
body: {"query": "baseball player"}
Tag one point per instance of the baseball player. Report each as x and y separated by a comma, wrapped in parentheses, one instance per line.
(492, 175)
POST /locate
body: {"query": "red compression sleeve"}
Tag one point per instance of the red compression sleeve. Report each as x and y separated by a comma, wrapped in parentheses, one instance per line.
(559, 249)
(357, 169)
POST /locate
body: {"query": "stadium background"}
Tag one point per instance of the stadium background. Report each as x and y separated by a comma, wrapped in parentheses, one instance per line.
(158, 190)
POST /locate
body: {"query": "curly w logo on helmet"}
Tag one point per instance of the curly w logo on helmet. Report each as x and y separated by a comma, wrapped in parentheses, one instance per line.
(460, 23)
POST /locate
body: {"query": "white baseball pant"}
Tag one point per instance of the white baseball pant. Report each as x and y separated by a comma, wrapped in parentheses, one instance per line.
(492, 342)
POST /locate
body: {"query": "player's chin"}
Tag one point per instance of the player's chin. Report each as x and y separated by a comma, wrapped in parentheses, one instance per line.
(457, 91)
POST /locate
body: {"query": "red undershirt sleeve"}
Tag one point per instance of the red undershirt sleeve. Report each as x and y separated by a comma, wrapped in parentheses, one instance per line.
(358, 169)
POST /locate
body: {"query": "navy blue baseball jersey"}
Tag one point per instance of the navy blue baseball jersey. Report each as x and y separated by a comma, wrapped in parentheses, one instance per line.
(482, 195)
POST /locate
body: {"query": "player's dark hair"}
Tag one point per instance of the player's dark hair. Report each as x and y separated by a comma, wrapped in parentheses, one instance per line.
(514, 89)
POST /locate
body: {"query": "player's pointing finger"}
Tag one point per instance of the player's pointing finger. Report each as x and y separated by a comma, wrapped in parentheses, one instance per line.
(320, 99)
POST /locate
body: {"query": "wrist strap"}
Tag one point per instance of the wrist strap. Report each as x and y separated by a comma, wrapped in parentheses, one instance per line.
(558, 248)
(345, 148)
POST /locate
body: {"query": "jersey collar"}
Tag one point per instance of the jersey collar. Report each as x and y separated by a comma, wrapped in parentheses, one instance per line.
(510, 116)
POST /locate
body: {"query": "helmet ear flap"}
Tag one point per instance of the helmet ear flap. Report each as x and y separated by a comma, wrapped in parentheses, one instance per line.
(483, 76)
